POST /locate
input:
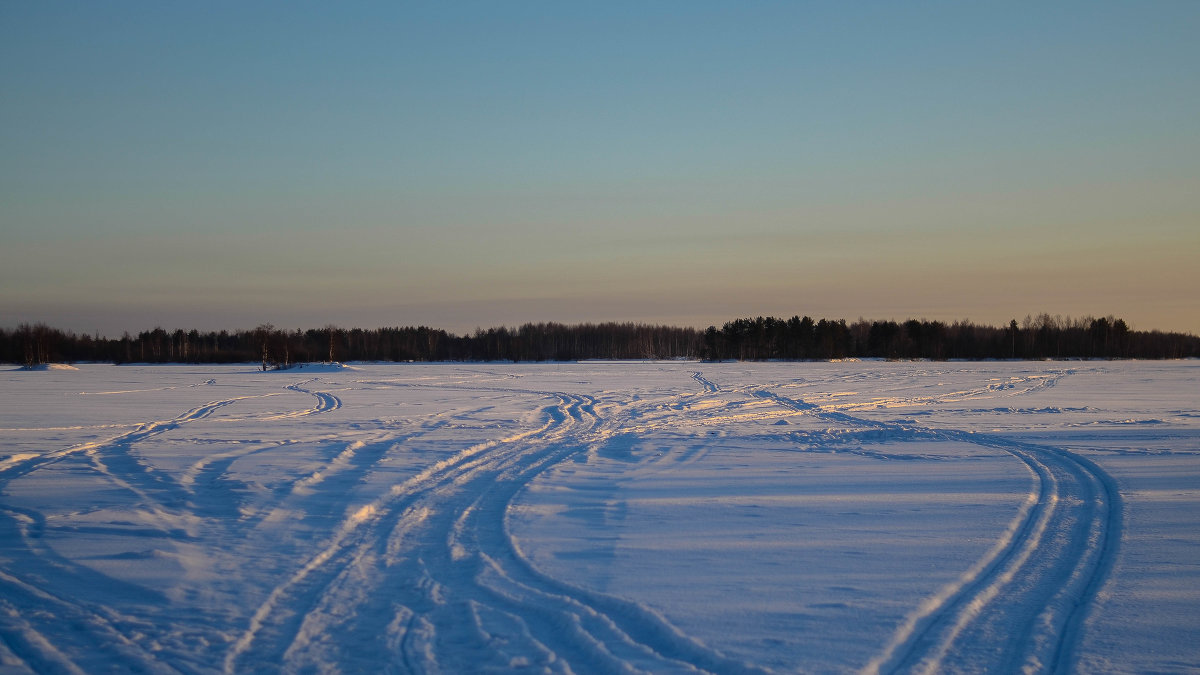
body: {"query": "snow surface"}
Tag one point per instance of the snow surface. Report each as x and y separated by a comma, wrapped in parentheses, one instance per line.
(602, 517)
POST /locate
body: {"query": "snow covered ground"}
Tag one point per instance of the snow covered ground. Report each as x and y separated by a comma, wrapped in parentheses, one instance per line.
(602, 517)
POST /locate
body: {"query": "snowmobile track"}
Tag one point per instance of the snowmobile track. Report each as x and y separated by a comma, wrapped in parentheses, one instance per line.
(1030, 594)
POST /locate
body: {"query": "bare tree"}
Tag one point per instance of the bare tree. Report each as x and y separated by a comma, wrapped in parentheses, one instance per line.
(262, 335)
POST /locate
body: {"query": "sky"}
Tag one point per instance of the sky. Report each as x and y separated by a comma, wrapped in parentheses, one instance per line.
(221, 165)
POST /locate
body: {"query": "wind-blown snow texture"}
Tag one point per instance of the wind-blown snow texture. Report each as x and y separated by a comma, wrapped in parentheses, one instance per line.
(597, 517)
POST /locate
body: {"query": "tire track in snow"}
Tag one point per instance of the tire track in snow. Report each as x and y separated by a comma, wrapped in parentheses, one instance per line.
(131, 474)
(42, 610)
(709, 387)
(357, 533)
(1027, 598)
(1035, 597)
(1012, 387)
(459, 592)
(141, 432)
(326, 402)
(166, 496)
(325, 492)
(37, 638)
(605, 633)
(163, 496)
(216, 464)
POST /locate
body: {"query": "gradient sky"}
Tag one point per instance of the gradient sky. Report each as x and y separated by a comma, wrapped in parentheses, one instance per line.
(220, 165)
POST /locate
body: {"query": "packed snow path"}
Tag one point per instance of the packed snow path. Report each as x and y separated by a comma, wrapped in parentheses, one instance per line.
(572, 518)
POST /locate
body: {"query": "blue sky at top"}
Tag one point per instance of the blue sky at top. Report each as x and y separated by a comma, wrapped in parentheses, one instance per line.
(464, 164)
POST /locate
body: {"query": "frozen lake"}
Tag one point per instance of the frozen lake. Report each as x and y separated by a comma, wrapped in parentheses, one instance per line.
(602, 517)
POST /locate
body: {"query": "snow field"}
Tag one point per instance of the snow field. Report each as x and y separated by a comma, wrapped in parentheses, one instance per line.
(602, 517)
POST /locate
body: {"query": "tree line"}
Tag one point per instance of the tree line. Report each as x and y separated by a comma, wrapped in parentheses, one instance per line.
(761, 338)
(1041, 337)
(276, 347)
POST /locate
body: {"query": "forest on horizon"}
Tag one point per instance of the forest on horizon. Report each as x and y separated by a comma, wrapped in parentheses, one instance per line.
(748, 339)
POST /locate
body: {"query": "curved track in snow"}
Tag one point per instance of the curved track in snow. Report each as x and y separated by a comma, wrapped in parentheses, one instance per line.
(142, 432)
(326, 402)
(34, 606)
(460, 593)
(387, 541)
(35, 637)
(1021, 607)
